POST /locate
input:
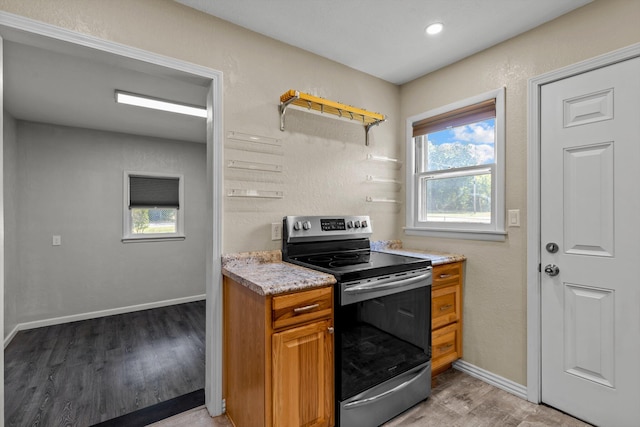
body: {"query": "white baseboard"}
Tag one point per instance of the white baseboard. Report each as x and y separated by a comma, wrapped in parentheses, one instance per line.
(95, 314)
(491, 378)
(12, 334)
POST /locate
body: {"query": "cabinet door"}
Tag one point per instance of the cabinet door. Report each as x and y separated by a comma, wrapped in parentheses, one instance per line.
(303, 376)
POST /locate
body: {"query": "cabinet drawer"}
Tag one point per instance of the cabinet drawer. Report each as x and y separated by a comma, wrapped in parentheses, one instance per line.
(445, 305)
(444, 347)
(447, 274)
(301, 307)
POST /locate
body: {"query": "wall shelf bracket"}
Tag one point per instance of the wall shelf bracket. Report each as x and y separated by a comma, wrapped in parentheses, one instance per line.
(314, 104)
(367, 128)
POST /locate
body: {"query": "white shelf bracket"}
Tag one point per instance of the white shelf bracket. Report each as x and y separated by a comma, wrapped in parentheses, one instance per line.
(367, 128)
(282, 108)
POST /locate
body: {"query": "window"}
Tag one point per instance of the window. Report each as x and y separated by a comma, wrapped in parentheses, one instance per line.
(152, 207)
(455, 158)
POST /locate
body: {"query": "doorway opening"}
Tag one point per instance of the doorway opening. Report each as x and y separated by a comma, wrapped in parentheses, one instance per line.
(71, 114)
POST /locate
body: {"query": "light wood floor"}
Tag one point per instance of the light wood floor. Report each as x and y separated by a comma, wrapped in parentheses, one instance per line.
(457, 400)
(83, 373)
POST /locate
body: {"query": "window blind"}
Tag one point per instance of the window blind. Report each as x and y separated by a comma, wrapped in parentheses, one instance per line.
(462, 116)
(154, 192)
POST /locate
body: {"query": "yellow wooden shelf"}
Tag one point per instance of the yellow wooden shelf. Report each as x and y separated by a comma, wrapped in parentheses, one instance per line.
(304, 101)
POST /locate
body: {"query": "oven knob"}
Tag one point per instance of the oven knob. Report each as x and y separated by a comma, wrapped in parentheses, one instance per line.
(364, 223)
(357, 224)
(306, 225)
(349, 224)
(297, 225)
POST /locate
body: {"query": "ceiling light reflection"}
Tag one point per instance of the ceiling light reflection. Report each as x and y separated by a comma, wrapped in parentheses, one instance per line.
(434, 28)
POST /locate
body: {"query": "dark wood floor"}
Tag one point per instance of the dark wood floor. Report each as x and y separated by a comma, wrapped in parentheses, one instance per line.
(83, 373)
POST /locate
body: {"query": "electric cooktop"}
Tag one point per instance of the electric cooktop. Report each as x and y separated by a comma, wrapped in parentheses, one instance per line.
(347, 266)
(339, 245)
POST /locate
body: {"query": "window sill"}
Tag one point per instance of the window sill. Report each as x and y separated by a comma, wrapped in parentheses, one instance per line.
(493, 236)
(152, 239)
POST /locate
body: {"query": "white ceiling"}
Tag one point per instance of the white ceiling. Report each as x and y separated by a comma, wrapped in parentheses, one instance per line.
(385, 38)
(50, 81)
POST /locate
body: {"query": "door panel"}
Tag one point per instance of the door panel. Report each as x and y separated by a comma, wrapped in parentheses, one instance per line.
(590, 108)
(590, 204)
(589, 331)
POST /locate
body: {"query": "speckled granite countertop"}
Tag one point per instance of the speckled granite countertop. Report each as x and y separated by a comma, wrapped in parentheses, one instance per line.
(266, 274)
(436, 257)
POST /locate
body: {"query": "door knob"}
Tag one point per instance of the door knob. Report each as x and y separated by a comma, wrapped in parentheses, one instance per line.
(552, 270)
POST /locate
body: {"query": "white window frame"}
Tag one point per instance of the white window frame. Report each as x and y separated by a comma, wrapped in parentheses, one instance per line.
(494, 231)
(127, 236)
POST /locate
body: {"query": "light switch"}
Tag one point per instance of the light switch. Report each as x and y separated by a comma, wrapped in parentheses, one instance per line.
(514, 218)
(56, 241)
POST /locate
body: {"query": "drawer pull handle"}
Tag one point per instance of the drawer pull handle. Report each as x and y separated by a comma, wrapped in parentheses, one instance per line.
(306, 308)
(445, 347)
(445, 276)
(446, 307)
(330, 329)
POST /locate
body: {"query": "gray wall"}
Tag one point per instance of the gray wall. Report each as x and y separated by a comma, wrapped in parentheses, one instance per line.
(10, 175)
(70, 183)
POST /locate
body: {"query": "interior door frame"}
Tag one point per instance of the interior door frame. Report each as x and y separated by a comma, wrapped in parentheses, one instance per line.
(534, 243)
(213, 277)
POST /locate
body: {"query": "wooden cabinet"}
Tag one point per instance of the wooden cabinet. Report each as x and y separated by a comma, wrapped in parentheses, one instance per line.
(278, 357)
(303, 376)
(446, 316)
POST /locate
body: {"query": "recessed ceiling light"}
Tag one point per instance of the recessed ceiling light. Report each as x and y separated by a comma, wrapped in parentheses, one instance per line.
(159, 104)
(434, 28)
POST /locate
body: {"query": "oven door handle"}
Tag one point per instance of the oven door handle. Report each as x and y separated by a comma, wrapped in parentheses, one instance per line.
(370, 287)
(399, 387)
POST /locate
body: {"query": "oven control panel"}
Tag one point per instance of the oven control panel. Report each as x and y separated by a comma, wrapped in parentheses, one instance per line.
(312, 228)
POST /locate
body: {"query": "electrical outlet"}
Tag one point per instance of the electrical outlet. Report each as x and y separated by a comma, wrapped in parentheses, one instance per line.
(56, 241)
(276, 231)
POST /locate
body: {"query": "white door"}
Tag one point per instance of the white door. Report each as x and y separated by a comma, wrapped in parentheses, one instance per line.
(590, 208)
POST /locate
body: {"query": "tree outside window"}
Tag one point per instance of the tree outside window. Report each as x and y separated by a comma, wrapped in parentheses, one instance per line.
(458, 185)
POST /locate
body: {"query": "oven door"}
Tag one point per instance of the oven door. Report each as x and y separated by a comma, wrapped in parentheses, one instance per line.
(383, 354)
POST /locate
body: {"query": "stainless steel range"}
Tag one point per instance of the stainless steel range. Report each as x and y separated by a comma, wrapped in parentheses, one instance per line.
(382, 316)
